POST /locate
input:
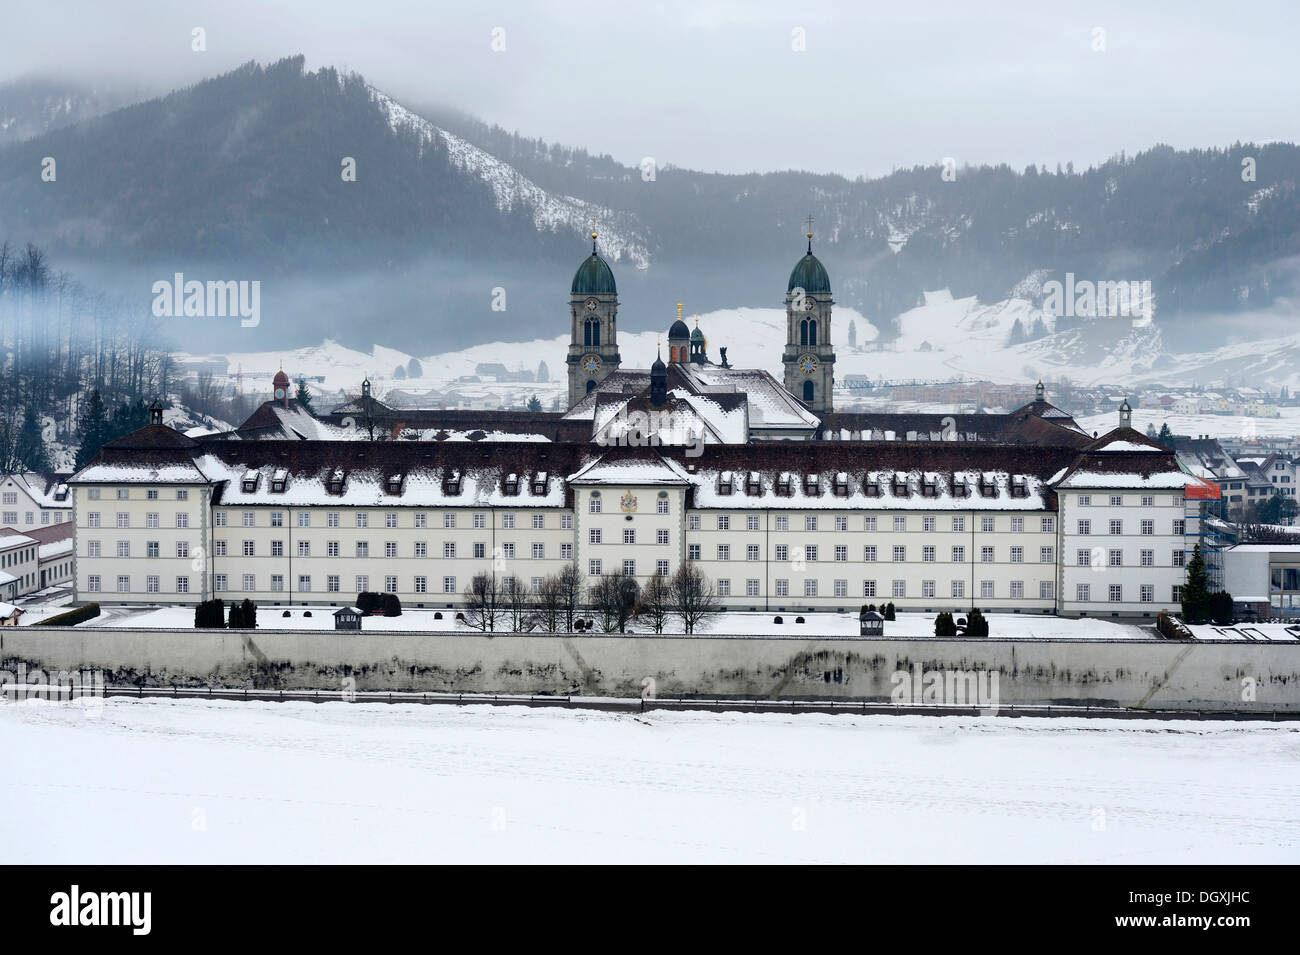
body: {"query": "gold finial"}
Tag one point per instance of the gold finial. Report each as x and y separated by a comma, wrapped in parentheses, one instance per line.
(697, 319)
(679, 311)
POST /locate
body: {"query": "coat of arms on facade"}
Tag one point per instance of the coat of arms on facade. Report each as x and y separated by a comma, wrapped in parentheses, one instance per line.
(628, 503)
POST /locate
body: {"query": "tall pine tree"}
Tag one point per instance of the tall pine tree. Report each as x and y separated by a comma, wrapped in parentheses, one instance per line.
(31, 451)
(304, 396)
(1196, 590)
(92, 428)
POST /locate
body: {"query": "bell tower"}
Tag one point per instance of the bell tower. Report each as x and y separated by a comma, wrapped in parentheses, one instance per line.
(593, 312)
(809, 357)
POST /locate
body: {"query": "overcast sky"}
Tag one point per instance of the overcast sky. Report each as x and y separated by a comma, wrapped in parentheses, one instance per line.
(720, 86)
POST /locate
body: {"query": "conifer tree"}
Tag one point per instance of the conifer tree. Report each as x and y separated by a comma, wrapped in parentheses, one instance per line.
(1196, 590)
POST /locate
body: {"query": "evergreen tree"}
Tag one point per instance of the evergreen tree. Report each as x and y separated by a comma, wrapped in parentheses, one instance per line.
(31, 451)
(1165, 433)
(304, 396)
(399, 372)
(92, 428)
(1196, 590)
(534, 404)
(414, 369)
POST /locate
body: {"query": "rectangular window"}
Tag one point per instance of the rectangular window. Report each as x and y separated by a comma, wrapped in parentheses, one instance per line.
(1147, 593)
(1148, 527)
(1177, 594)
(986, 525)
(304, 583)
(900, 525)
(1046, 590)
(508, 551)
(1085, 500)
(900, 554)
(124, 519)
(277, 548)
(1017, 590)
(363, 583)
(566, 552)
(421, 549)
(332, 583)
(959, 525)
(692, 551)
(810, 587)
(448, 519)
(123, 585)
(421, 585)
(1115, 557)
(153, 585)
(1083, 557)
(277, 519)
(724, 522)
(986, 590)
(182, 495)
(1117, 527)
(182, 585)
(629, 535)
(1115, 593)
(841, 553)
(868, 588)
(1178, 526)
(661, 506)
(448, 550)
(332, 519)
(449, 585)
(539, 522)
(566, 522)
(304, 548)
(782, 552)
(782, 523)
(593, 505)
(986, 555)
(959, 588)
(661, 536)
(508, 522)
(1049, 525)
(782, 588)
(927, 523)
(92, 583)
(593, 535)
(1116, 500)
(124, 549)
(927, 555)
(363, 548)
(724, 552)
(182, 548)
(1083, 593)
(390, 584)
(927, 588)
(1085, 528)
(422, 520)
(693, 522)
(1017, 525)
(841, 524)
(539, 551)
(751, 588)
(1047, 555)
(151, 548)
(810, 523)
(593, 568)
(751, 522)
(810, 552)
(1148, 558)
(1148, 501)
(959, 554)
(151, 520)
(900, 588)
(1179, 558)
(277, 582)
(92, 519)
(661, 568)
(724, 588)
(869, 553)
(869, 525)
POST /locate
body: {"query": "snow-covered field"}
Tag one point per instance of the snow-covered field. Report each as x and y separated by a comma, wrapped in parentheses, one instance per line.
(161, 781)
(271, 617)
(1238, 427)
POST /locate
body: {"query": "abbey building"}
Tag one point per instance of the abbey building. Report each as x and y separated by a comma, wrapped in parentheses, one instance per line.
(783, 502)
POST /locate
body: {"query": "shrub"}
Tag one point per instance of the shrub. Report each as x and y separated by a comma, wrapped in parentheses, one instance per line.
(70, 618)
(211, 614)
(392, 606)
(243, 616)
(1221, 608)
(944, 625)
(976, 625)
(889, 611)
(370, 602)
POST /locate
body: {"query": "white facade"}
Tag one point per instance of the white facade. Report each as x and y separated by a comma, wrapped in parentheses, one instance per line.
(30, 500)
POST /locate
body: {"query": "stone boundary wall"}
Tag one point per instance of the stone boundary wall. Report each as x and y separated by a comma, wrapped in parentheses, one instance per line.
(1225, 676)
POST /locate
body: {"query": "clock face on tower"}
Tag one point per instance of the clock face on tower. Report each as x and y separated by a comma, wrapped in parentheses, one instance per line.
(592, 305)
(591, 364)
(279, 393)
(808, 364)
(808, 304)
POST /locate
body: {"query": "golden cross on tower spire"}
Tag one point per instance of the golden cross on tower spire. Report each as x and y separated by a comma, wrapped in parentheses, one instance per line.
(810, 221)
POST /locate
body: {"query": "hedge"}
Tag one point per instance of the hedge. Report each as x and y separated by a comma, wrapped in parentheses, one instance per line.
(71, 618)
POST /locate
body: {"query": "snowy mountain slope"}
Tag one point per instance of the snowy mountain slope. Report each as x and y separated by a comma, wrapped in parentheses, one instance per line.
(618, 230)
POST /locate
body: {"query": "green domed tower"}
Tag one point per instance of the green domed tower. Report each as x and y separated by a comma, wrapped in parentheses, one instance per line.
(809, 357)
(593, 310)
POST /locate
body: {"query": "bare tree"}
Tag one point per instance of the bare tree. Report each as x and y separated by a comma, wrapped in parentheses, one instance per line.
(483, 607)
(657, 602)
(549, 599)
(615, 598)
(570, 594)
(693, 597)
(519, 601)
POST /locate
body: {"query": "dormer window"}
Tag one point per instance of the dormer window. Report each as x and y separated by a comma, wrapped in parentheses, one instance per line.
(334, 484)
(279, 480)
(248, 483)
(1019, 487)
(841, 485)
(510, 486)
(395, 484)
(960, 488)
(451, 483)
(930, 486)
(872, 487)
(753, 484)
(725, 483)
(899, 486)
(988, 486)
(539, 484)
(812, 485)
(784, 484)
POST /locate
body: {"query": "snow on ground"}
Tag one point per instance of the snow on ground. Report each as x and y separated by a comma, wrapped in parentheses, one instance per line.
(188, 781)
(741, 623)
(1238, 427)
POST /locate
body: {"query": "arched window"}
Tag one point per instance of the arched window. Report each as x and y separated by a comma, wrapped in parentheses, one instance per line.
(808, 391)
(591, 383)
(591, 331)
(808, 332)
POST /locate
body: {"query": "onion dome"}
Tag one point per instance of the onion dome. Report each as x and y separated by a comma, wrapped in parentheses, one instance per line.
(809, 274)
(594, 276)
